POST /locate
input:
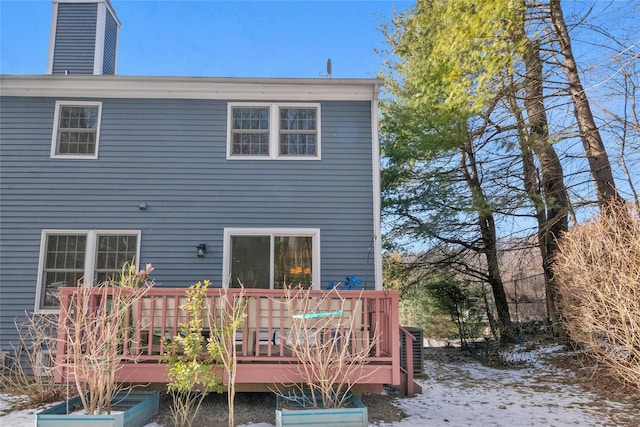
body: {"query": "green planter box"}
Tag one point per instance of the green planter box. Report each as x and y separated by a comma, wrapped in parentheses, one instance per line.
(354, 415)
(138, 408)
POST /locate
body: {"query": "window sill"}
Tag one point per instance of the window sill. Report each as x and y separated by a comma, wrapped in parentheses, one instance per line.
(265, 158)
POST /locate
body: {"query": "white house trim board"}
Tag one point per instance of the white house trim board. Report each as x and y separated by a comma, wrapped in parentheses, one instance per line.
(115, 65)
(52, 37)
(98, 50)
(107, 3)
(248, 231)
(240, 89)
(377, 225)
(112, 11)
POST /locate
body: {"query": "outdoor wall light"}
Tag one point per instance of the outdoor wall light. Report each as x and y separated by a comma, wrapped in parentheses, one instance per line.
(201, 249)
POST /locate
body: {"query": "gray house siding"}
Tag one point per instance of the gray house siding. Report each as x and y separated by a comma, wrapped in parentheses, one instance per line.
(171, 155)
(75, 38)
(110, 45)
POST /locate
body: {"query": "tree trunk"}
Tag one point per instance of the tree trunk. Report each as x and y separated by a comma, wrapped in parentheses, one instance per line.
(556, 201)
(589, 133)
(488, 236)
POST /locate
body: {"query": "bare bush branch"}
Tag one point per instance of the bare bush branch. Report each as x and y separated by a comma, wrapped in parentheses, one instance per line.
(222, 342)
(29, 369)
(326, 337)
(598, 269)
(97, 325)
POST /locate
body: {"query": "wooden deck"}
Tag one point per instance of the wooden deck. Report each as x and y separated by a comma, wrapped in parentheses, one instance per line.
(262, 353)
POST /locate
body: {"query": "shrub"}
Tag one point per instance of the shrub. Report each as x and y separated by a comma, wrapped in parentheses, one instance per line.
(325, 337)
(97, 325)
(460, 301)
(29, 367)
(190, 369)
(222, 342)
(598, 275)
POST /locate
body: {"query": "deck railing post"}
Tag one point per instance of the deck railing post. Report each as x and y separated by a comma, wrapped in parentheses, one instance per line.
(408, 340)
(60, 373)
(394, 334)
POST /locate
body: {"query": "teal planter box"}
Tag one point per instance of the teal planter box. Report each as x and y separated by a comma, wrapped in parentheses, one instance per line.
(354, 415)
(138, 408)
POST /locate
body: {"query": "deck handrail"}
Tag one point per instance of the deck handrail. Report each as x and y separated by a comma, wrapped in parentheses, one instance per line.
(261, 339)
(409, 338)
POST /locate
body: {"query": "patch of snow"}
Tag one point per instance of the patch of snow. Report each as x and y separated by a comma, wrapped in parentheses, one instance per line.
(83, 412)
(15, 418)
(7, 401)
(433, 342)
(460, 394)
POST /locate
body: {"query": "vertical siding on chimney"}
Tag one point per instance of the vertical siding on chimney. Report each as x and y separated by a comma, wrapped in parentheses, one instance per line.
(75, 38)
(110, 45)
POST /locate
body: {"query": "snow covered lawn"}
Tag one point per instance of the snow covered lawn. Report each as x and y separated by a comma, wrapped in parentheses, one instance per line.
(462, 392)
(458, 391)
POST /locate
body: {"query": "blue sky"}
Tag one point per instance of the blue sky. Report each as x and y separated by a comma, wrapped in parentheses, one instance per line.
(217, 38)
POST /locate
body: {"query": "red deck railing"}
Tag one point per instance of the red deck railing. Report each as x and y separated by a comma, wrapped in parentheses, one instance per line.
(262, 353)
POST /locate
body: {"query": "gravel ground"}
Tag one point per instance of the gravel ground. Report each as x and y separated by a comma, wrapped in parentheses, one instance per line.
(260, 408)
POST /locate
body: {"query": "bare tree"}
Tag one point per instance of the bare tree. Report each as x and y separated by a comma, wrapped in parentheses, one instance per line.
(623, 119)
(594, 147)
(488, 234)
(553, 207)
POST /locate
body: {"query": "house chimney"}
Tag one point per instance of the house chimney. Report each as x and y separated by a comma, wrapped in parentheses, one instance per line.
(84, 37)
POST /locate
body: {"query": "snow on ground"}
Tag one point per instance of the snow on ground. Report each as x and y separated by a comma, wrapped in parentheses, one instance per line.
(467, 393)
(460, 392)
(11, 418)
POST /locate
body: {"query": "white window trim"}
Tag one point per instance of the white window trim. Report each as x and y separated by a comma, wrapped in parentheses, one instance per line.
(314, 233)
(89, 258)
(274, 130)
(56, 124)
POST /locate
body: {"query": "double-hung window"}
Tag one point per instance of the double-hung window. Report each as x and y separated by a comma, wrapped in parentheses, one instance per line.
(271, 258)
(76, 130)
(71, 256)
(273, 131)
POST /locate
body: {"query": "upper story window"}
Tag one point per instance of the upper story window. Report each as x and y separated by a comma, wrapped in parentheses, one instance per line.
(250, 131)
(91, 256)
(298, 131)
(76, 130)
(273, 131)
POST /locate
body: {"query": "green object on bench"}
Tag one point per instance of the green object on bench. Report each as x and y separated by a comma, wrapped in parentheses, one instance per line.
(321, 314)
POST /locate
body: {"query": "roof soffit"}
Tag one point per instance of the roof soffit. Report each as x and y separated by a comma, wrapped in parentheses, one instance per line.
(189, 87)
